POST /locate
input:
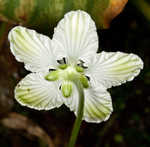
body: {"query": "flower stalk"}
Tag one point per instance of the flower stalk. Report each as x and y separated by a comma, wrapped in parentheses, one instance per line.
(78, 120)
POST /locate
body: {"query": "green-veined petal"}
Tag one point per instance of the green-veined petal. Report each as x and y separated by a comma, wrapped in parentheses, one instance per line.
(37, 93)
(114, 68)
(75, 37)
(34, 49)
(97, 106)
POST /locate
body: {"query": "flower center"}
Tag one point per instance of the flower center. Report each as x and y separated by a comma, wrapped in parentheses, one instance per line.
(67, 74)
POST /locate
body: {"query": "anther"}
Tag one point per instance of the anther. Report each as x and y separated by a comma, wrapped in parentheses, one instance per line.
(85, 67)
(59, 61)
(60, 87)
(52, 69)
(81, 64)
(52, 76)
(88, 78)
(62, 61)
(81, 61)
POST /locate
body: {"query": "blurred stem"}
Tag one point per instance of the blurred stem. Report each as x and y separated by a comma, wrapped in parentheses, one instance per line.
(143, 6)
(78, 120)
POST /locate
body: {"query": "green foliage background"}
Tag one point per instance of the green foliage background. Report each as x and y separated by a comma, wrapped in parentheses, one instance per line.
(129, 124)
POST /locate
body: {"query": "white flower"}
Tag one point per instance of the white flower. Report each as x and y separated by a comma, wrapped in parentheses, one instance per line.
(72, 51)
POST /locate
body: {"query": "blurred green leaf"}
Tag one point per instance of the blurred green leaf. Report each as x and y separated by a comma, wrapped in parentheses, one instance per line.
(45, 14)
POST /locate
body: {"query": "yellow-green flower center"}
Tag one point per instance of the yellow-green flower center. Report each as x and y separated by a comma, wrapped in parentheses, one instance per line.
(67, 74)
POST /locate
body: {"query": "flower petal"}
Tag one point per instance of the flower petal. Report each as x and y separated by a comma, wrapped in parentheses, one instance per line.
(37, 93)
(33, 49)
(97, 106)
(113, 68)
(75, 37)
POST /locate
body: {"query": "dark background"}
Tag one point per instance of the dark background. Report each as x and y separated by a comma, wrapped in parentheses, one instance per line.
(128, 126)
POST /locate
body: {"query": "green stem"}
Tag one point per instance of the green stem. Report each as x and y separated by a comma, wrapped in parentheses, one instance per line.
(78, 120)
